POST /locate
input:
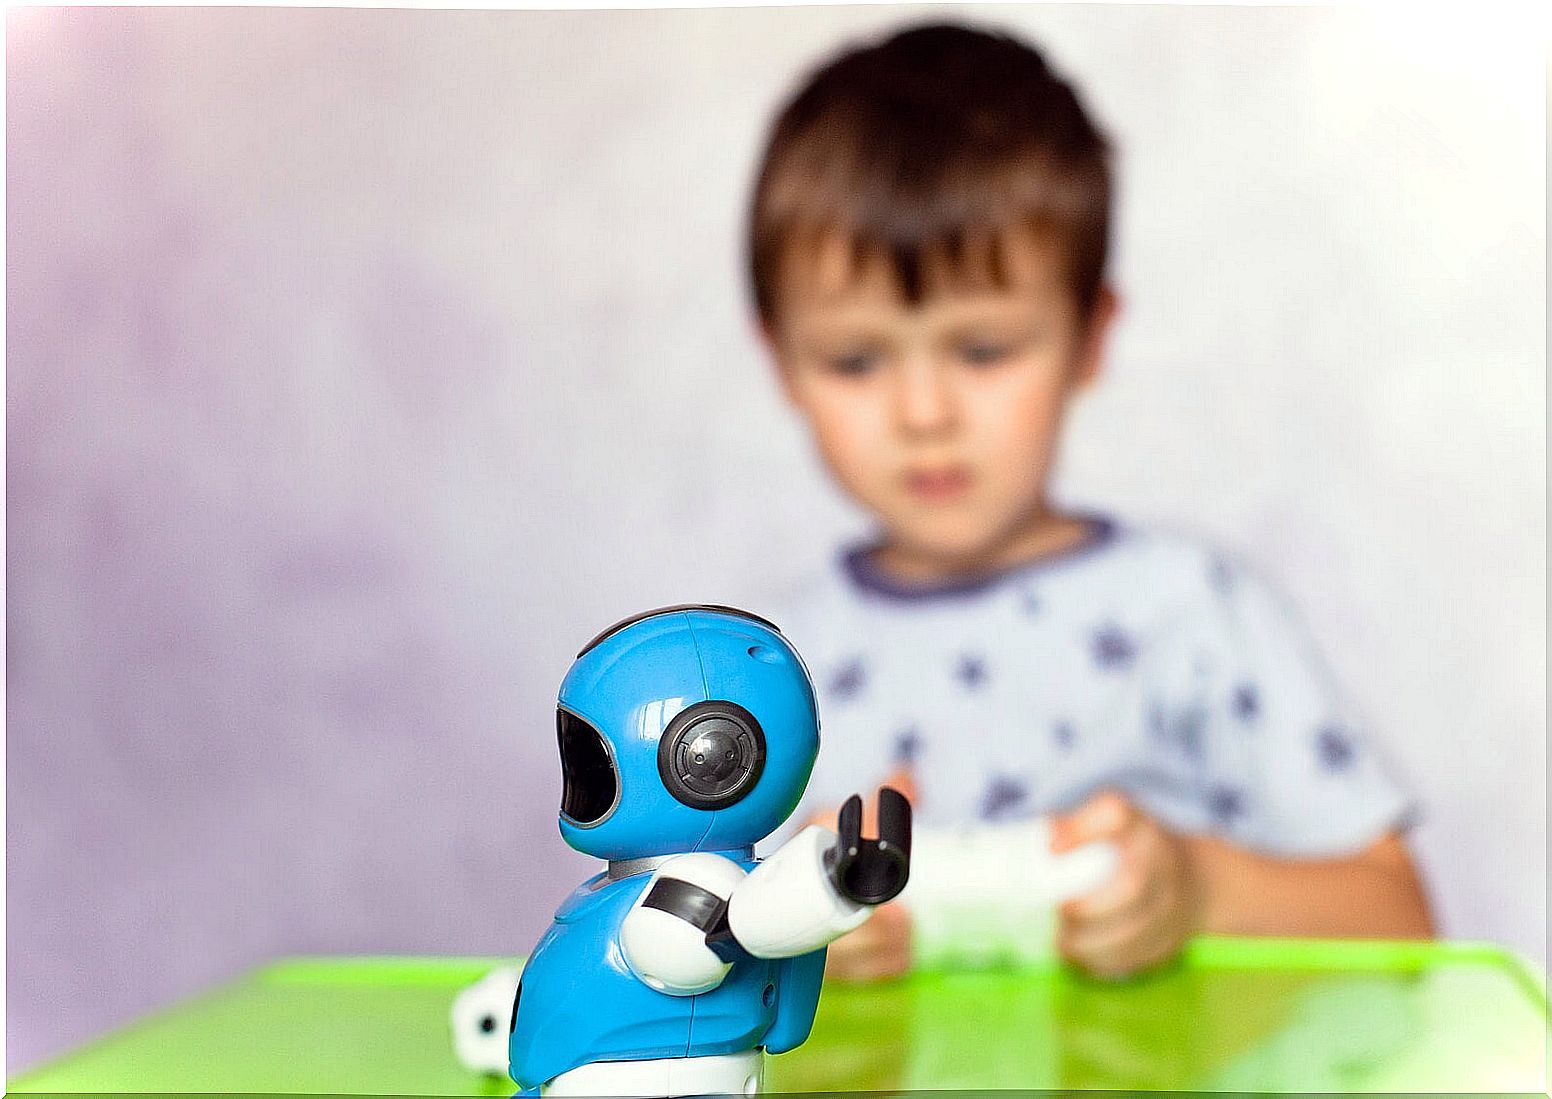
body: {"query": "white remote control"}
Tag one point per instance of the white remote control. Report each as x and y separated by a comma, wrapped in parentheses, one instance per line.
(987, 894)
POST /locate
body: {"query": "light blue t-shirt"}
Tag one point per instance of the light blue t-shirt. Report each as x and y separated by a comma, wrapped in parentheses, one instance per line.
(1138, 660)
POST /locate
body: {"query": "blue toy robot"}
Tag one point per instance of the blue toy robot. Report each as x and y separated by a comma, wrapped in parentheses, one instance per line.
(687, 734)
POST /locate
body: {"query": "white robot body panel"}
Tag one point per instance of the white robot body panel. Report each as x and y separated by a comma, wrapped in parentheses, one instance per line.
(788, 905)
(724, 1074)
(664, 948)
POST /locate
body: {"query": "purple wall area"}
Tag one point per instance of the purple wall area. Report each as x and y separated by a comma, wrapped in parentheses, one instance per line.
(245, 718)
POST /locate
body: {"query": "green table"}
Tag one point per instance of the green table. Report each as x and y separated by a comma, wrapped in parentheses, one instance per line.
(1232, 1015)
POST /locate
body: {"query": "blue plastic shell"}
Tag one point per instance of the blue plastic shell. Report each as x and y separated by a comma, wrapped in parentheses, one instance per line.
(581, 1002)
(633, 683)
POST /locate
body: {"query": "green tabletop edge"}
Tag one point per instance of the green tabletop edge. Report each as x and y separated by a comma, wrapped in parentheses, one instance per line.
(452, 973)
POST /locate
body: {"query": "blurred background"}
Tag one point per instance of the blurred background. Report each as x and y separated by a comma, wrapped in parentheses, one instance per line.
(362, 364)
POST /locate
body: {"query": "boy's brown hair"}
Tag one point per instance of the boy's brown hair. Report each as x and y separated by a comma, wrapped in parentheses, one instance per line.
(934, 142)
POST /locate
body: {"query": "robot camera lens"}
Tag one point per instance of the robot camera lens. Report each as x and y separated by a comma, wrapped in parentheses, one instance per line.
(711, 754)
(713, 757)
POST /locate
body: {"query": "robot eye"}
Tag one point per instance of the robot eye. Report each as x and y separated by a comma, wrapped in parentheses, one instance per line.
(711, 754)
(590, 785)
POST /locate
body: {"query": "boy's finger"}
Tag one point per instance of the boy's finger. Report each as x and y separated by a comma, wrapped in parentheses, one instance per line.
(838, 967)
(1110, 966)
(861, 940)
(1122, 892)
(1118, 947)
(879, 948)
(846, 958)
(873, 968)
(1104, 816)
(1141, 947)
(1113, 930)
(1152, 933)
(1101, 948)
(1136, 862)
(866, 962)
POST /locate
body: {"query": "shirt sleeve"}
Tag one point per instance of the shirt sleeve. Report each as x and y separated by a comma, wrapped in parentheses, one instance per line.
(1288, 767)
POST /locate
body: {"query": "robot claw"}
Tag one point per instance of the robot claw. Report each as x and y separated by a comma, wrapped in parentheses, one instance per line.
(872, 871)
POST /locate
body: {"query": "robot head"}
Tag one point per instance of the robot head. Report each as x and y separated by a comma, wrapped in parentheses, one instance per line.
(689, 728)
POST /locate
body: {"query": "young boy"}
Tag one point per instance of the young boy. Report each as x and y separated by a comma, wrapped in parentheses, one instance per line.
(928, 240)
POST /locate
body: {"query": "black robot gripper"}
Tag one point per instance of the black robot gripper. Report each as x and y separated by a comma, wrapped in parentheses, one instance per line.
(872, 871)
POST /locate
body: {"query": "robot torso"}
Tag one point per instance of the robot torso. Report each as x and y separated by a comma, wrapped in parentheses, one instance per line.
(579, 1001)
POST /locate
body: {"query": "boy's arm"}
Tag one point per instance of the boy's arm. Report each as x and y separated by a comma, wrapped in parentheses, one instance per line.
(1241, 692)
(1169, 886)
(1374, 893)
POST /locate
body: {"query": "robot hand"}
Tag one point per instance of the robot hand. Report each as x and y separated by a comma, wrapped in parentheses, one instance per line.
(817, 886)
(871, 872)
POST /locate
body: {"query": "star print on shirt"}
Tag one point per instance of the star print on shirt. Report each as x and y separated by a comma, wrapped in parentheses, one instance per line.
(1065, 735)
(1247, 702)
(1221, 575)
(1334, 748)
(1187, 731)
(1030, 602)
(908, 745)
(971, 671)
(1225, 803)
(848, 682)
(1002, 797)
(1113, 649)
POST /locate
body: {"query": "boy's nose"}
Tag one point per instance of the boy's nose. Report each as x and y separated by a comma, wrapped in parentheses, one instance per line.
(924, 402)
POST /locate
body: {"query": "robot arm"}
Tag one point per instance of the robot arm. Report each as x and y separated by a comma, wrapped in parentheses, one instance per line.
(665, 935)
(820, 885)
(682, 934)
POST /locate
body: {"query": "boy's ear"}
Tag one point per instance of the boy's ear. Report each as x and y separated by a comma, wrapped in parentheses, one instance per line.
(1096, 337)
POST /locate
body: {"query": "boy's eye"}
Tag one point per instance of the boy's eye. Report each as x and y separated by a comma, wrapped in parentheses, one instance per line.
(851, 364)
(984, 354)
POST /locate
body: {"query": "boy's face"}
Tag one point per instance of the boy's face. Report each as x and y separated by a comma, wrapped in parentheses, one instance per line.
(942, 418)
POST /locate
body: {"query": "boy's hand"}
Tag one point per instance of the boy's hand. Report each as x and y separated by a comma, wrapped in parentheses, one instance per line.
(1145, 913)
(879, 949)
